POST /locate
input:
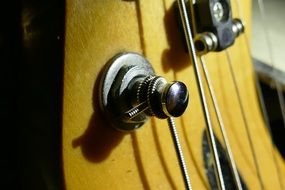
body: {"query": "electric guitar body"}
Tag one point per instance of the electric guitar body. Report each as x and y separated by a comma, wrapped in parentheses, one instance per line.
(96, 156)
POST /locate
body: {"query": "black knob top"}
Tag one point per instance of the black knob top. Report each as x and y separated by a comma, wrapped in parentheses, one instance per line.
(175, 99)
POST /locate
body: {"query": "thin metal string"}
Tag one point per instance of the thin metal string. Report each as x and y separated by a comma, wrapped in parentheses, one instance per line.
(192, 55)
(261, 100)
(221, 124)
(179, 152)
(244, 118)
(143, 106)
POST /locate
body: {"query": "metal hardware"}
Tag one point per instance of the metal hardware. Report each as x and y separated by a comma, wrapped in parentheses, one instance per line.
(205, 42)
(130, 93)
(232, 164)
(208, 41)
(218, 11)
(179, 153)
(238, 27)
(215, 30)
(192, 54)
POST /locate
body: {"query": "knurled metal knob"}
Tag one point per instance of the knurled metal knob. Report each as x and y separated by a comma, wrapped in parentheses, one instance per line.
(130, 93)
(163, 99)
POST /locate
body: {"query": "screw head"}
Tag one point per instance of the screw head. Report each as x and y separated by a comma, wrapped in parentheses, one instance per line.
(218, 11)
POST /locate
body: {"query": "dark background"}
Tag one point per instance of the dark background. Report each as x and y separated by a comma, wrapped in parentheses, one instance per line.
(31, 56)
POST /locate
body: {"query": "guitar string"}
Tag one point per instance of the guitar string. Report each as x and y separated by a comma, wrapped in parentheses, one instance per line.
(261, 100)
(170, 120)
(244, 118)
(194, 161)
(220, 121)
(221, 125)
(131, 113)
(179, 152)
(192, 55)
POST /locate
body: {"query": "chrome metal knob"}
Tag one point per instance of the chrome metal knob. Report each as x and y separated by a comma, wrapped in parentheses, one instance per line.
(131, 93)
(162, 99)
(175, 99)
(208, 41)
(237, 27)
(205, 42)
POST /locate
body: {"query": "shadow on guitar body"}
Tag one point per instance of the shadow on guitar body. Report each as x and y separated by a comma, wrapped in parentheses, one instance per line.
(100, 138)
(176, 56)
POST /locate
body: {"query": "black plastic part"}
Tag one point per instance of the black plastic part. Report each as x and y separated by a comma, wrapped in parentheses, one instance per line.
(207, 22)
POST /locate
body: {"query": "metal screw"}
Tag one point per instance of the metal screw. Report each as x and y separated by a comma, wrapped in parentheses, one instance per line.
(218, 11)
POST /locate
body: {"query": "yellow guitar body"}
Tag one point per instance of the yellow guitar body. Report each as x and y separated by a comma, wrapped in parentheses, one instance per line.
(95, 156)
